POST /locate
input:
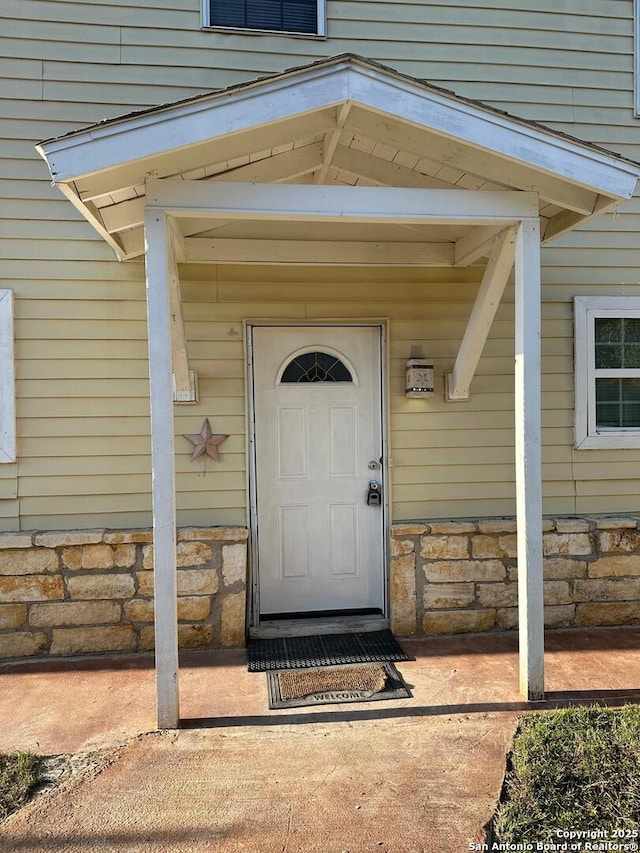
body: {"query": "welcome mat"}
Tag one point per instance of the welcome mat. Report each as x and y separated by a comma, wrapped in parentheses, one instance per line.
(323, 650)
(335, 685)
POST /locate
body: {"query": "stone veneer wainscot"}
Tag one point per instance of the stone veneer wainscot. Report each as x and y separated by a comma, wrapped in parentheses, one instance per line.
(461, 576)
(87, 591)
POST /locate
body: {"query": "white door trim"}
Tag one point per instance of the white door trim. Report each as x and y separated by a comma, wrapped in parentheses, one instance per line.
(253, 587)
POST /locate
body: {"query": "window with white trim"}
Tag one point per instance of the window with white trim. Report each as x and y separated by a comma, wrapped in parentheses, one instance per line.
(7, 383)
(607, 365)
(290, 17)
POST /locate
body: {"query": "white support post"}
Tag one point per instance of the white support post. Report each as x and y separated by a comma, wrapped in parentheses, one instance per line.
(163, 469)
(529, 460)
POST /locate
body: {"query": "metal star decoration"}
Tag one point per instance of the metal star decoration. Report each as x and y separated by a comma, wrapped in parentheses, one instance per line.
(205, 443)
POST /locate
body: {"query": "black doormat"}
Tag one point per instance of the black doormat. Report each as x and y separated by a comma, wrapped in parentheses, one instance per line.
(392, 686)
(323, 650)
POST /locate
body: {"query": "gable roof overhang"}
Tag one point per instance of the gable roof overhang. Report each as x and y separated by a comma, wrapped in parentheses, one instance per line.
(344, 121)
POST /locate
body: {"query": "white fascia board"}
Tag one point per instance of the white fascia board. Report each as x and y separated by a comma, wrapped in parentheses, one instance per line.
(103, 147)
(338, 204)
(540, 149)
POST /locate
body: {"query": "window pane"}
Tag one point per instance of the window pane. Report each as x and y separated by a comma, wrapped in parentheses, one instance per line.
(297, 16)
(316, 367)
(228, 13)
(608, 330)
(617, 403)
(608, 355)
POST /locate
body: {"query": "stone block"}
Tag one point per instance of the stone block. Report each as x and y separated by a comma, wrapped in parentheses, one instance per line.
(195, 609)
(464, 570)
(101, 586)
(572, 544)
(498, 525)
(547, 525)
(197, 582)
(232, 627)
(618, 589)
(616, 523)
(623, 565)
(72, 557)
(139, 610)
(195, 636)
(187, 554)
(497, 594)
(224, 534)
(459, 621)
(483, 546)
(62, 538)
(74, 613)
(620, 613)
(123, 537)
(559, 616)
(9, 541)
(556, 592)
(147, 639)
(403, 595)
(73, 641)
(507, 618)
(560, 568)
(12, 615)
(444, 547)
(408, 529)
(124, 556)
(572, 525)
(402, 546)
(615, 541)
(453, 528)
(97, 556)
(145, 583)
(234, 564)
(22, 644)
(31, 588)
(445, 596)
(20, 562)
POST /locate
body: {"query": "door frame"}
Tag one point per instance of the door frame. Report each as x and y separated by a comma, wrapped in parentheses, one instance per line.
(253, 604)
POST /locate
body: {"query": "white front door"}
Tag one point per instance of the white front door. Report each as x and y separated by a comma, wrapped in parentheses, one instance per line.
(318, 429)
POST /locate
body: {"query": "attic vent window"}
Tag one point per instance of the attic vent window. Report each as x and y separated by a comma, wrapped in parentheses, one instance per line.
(316, 367)
(295, 17)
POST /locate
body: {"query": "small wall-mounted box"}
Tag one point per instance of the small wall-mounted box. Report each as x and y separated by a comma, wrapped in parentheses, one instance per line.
(419, 378)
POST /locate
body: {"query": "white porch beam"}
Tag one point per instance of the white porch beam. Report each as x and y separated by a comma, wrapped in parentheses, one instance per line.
(529, 460)
(331, 142)
(338, 204)
(163, 470)
(482, 316)
(318, 252)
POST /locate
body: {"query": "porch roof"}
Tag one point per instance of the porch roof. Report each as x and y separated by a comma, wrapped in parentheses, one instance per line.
(342, 121)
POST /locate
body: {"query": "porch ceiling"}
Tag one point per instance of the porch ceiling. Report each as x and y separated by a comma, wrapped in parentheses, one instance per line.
(343, 121)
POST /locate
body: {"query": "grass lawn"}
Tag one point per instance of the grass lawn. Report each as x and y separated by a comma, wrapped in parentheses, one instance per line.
(18, 777)
(575, 770)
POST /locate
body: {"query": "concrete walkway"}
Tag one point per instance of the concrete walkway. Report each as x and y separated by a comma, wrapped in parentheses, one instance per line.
(400, 776)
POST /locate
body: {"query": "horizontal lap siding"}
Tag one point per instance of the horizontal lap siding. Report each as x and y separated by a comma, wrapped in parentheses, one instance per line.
(80, 315)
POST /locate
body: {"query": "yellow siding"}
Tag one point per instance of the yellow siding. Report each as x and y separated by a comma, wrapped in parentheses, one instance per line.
(80, 316)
